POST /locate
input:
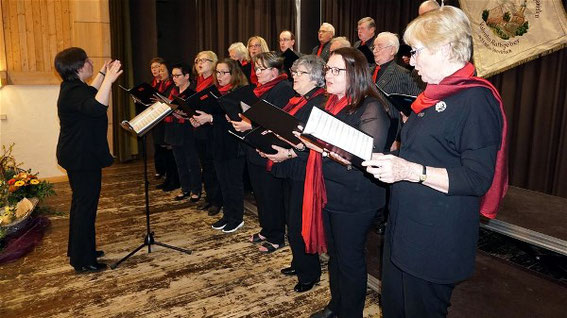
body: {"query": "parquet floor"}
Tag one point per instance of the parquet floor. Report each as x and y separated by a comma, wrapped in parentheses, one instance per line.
(224, 277)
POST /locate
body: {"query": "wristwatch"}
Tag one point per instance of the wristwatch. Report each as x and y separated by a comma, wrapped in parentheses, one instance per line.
(423, 174)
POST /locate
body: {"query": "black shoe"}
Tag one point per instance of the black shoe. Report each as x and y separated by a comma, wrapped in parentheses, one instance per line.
(303, 287)
(232, 226)
(325, 313)
(160, 186)
(96, 267)
(220, 224)
(193, 199)
(182, 196)
(288, 271)
(214, 210)
(99, 254)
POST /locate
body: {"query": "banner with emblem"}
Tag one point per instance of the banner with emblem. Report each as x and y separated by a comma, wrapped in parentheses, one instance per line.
(507, 33)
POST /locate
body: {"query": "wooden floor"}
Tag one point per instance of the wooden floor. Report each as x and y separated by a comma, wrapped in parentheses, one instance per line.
(224, 277)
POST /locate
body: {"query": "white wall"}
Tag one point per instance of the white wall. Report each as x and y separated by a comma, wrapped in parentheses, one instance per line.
(32, 124)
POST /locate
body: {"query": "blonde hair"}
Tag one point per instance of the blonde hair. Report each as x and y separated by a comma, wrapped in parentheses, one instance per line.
(263, 44)
(208, 54)
(240, 50)
(447, 25)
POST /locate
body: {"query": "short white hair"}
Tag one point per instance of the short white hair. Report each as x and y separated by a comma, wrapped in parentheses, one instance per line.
(328, 26)
(342, 41)
(391, 38)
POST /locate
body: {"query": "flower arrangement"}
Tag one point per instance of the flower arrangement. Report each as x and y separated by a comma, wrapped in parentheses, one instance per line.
(16, 184)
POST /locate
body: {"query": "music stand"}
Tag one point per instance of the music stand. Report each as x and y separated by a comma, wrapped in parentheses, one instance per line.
(141, 134)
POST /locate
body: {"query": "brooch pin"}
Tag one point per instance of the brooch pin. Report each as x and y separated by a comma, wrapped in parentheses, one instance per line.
(440, 106)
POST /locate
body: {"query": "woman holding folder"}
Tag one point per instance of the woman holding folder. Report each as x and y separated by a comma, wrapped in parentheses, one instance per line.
(273, 87)
(204, 67)
(227, 153)
(289, 166)
(348, 198)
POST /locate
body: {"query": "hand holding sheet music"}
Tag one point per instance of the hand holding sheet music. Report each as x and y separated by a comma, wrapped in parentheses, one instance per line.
(338, 137)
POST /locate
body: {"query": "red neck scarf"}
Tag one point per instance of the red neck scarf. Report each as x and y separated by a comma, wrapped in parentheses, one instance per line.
(463, 79)
(164, 85)
(315, 195)
(297, 102)
(225, 89)
(375, 74)
(174, 92)
(320, 49)
(253, 76)
(155, 82)
(292, 107)
(203, 83)
(262, 89)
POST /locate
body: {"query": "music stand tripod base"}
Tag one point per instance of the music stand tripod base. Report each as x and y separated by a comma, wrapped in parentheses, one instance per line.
(149, 237)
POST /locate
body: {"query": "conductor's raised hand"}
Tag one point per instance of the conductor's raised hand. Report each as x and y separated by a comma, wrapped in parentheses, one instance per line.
(113, 71)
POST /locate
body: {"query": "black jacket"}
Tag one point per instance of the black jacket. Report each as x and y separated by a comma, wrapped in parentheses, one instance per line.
(82, 143)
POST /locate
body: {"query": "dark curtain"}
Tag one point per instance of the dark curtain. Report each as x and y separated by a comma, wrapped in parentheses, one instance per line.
(215, 24)
(122, 107)
(533, 95)
(133, 42)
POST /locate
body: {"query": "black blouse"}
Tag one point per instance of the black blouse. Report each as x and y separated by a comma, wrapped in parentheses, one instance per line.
(433, 235)
(353, 190)
(295, 168)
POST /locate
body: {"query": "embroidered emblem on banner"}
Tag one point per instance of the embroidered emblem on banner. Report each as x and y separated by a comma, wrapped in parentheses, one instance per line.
(440, 106)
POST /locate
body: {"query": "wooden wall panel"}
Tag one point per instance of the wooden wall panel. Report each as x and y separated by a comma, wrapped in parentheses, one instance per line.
(35, 30)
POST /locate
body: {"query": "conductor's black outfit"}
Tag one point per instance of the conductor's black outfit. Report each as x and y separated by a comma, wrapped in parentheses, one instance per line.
(353, 201)
(292, 173)
(83, 151)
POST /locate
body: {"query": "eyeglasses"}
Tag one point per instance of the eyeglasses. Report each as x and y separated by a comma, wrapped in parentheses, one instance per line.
(197, 61)
(413, 53)
(297, 72)
(176, 75)
(255, 45)
(381, 48)
(221, 73)
(261, 69)
(334, 70)
(323, 31)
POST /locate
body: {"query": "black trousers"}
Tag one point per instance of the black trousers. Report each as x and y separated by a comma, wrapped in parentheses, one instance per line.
(229, 173)
(85, 187)
(407, 296)
(346, 242)
(171, 174)
(306, 265)
(268, 193)
(160, 159)
(209, 175)
(188, 166)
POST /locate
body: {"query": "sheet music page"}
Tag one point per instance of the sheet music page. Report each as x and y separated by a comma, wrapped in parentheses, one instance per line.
(148, 116)
(324, 126)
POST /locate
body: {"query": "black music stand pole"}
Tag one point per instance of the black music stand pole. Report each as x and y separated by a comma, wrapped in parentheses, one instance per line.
(149, 238)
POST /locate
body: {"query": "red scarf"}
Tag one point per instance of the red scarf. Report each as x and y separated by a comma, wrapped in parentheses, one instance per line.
(224, 89)
(315, 195)
(320, 49)
(293, 106)
(253, 76)
(164, 85)
(203, 83)
(262, 89)
(463, 79)
(375, 74)
(155, 82)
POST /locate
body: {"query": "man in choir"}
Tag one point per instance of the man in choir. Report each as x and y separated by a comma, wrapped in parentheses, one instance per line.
(287, 40)
(82, 148)
(339, 42)
(325, 34)
(386, 73)
(427, 6)
(366, 32)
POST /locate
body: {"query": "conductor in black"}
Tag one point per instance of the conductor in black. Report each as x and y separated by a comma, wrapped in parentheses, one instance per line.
(82, 148)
